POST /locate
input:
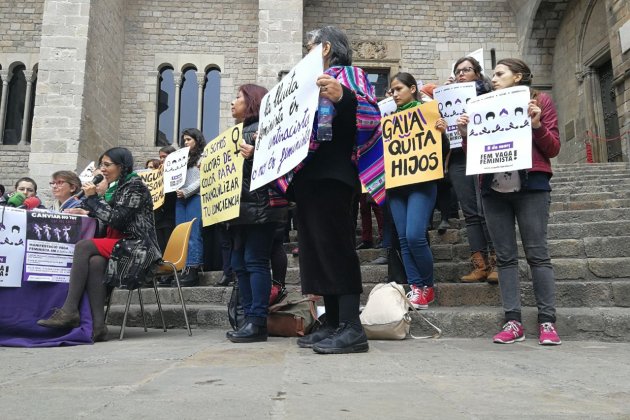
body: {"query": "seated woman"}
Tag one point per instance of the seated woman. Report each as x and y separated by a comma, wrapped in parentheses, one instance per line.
(65, 186)
(24, 196)
(130, 245)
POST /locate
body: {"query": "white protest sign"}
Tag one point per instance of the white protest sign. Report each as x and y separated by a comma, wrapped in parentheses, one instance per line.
(88, 173)
(12, 245)
(286, 121)
(477, 55)
(499, 132)
(175, 166)
(387, 106)
(452, 101)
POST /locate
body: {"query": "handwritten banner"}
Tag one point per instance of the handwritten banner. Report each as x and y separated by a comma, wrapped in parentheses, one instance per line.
(412, 146)
(154, 180)
(175, 166)
(499, 132)
(12, 245)
(222, 177)
(286, 121)
(452, 101)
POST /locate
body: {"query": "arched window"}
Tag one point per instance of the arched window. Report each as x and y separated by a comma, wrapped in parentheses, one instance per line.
(165, 108)
(189, 98)
(13, 121)
(211, 103)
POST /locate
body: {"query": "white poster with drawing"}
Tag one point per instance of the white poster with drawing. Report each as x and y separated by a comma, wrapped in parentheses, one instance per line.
(12, 246)
(387, 106)
(286, 121)
(499, 132)
(452, 101)
(88, 173)
(175, 166)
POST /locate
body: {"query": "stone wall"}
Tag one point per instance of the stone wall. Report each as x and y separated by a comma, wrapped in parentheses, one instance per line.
(224, 28)
(431, 36)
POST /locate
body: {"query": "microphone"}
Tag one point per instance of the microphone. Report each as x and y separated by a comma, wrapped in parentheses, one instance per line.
(30, 203)
(16, 200)
(97, 180)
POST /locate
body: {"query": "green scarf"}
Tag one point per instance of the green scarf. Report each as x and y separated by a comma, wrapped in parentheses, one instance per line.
(114, 186)
(408, 105)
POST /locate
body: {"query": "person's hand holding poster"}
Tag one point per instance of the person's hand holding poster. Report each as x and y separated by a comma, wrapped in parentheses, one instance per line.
(412, 146)
(499, 132)
(452, 102)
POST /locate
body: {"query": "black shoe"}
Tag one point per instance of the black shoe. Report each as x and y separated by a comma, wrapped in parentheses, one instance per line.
(307, 341)
(189, 279)
(166, 281)
(249, 333)
(365, 245)
(443, 226)
(348, 338)
(382, 260)
(99, 335)
(226, 280)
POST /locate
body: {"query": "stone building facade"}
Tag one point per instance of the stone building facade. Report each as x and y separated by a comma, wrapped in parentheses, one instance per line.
(95, 68)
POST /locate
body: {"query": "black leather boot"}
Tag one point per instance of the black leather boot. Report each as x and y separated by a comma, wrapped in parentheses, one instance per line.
(348, 338)
(189, 279)
(248, 333)
(308, 341)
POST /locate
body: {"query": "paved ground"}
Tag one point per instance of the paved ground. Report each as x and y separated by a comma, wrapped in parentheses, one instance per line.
(170, 375)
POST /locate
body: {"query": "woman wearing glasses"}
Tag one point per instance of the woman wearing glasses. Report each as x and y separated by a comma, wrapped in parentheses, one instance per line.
(65, 186)
(127, 251)
(483, 258)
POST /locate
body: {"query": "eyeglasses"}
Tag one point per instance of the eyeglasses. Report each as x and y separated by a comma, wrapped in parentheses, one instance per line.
(464, 70)
(57, 183)
(106, 164)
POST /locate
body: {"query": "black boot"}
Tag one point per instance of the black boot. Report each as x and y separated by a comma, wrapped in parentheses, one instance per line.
(226, 280)
(165, 281)
(348, 338)
(189, 279)
(308, 341)
(249, 333)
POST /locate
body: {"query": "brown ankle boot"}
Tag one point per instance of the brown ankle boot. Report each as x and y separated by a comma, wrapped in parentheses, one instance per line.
(61, 319)
(493, 273)
(480, 269)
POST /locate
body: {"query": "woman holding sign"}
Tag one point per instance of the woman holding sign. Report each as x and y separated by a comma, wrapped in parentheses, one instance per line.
(523, 196)
(261, 212)
(188, 206)
(123, 256)
(412, 207)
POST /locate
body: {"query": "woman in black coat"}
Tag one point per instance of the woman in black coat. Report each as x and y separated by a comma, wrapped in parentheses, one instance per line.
(123, 256)
(253, 231)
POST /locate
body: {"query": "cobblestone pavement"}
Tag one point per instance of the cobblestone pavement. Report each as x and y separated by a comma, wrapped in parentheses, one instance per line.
(170, 375)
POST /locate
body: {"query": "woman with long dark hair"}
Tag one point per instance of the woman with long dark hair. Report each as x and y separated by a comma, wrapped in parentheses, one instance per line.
(253, 231)
(188, 205)
(523, 196)
(122, 257)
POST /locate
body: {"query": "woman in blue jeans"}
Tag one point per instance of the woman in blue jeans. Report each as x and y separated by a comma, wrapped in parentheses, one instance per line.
(523, 196)
(261, 212)
(412, 207)
(188, 206)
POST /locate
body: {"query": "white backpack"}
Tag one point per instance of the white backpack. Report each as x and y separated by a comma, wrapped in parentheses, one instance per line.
(386, 314)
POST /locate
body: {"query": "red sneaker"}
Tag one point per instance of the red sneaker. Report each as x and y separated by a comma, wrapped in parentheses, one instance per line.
(512, 331)
(415, 297)
(547, 335)
(429, 296)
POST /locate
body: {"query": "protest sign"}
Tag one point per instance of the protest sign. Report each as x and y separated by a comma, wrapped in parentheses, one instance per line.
(221, 177)
(499, 132)
(286, 121)
(88, 173)
(175, 166)
(452, 101)
(387, 106)
(12, 245)
(412, 146)
(154, 180)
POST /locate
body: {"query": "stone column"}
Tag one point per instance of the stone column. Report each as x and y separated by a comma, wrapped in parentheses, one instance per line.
(177, 76)
(201, 81)
(30, 76)
(6, 78)
(280, 36)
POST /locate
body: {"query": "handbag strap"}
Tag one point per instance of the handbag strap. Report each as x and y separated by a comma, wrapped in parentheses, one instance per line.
(438, 331)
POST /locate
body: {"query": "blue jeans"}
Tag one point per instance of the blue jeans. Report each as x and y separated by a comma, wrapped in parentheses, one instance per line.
(530, 209)
(251, 258)
(185, 211)
(411, 209)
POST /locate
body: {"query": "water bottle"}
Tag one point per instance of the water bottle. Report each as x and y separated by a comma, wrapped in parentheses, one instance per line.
(326, 113)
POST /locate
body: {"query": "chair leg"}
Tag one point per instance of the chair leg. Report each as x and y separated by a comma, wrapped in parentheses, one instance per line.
(144, 319)
(124, 321)
(109, 303)
(159, 304)
(181, 298)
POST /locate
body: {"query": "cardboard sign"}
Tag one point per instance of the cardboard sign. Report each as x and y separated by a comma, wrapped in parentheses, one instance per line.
(175, 166)
(412, 146)
(154, 180)
(499, 132)
(452, 102)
